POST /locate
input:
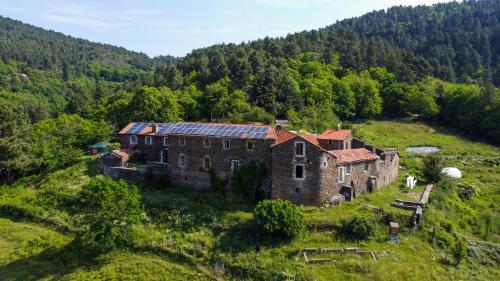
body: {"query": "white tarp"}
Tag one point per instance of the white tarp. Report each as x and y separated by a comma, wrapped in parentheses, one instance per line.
(452, 172)
(411, 182)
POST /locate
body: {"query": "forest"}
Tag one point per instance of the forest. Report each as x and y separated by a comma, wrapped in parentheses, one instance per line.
(437, 64)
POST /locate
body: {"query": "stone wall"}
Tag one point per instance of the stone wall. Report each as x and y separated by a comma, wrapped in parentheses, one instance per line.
(358, 179)
(194, 175)
(337, 144)
(388, 167)
(111, 160)
(151, 151)
(319, 183)
(128, 174)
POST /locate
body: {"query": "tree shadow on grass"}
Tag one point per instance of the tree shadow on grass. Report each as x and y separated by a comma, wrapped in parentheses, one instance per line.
(50, 262)
(246, 237)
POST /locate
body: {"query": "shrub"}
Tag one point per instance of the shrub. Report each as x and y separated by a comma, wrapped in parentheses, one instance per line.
(216, 183)
(357, 228)
(279, 217)
(248, 178)
(460, 251)
(110, 209)
(431, 171)
(466, 191)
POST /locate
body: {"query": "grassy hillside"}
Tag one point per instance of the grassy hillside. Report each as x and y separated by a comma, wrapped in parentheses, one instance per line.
(210, 236)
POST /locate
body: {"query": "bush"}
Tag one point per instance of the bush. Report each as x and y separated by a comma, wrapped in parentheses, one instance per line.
(110, 210)
(431, 171)
(216, 183)
(279, 217)
(356, 228)
(460, 251)
(248, 178)
(466, 191)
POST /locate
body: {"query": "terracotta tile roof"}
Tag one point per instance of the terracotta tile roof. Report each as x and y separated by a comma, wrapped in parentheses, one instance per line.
(353, 155)
(283, 135)
(124, 153)
(310, 138)
(332, 134)
(125, 130)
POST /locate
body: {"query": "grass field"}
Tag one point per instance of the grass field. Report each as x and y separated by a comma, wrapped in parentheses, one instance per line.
(210, 236)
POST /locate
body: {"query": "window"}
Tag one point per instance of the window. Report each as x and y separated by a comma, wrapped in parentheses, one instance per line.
(206, 143)
(299, 149)
(165, 141)
(349, 168)
(206, 163)
(341, 174)
(182, 140)
(149, 140)
(367, 166)
(235, 164)
(162, 157)
(226, 144)
(182, 161)
(133, 139)
(346, 145)
(299, 171)
(250, 145)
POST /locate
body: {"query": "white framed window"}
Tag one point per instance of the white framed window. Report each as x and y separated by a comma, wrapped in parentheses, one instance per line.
(341, 174)
(165, 141)
(133, 139)
(235, 164)
(226, 144)
(206, 143)
(250, 145)
(299, 148)
(367, 166)
(182, 161)
(206, 162)
(148, 140)
(182, 140)
(299, 172)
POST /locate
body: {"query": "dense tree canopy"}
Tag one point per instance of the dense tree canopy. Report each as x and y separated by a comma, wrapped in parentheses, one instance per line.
(58, 94)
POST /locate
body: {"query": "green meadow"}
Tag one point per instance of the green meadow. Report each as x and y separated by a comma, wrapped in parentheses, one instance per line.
(211, 236)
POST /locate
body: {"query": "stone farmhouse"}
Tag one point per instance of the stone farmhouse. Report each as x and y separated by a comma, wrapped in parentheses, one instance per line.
(301, 167)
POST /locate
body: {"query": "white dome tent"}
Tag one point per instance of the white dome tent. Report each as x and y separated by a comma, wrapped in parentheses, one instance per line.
(452, 172)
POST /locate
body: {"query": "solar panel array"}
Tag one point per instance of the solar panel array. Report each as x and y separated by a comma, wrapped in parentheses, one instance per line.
(220, 130)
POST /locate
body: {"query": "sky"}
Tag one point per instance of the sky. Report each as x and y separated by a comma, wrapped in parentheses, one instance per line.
(168, 27)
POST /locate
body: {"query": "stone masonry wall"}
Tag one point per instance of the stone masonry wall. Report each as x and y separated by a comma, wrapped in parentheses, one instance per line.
(319, 180)
(194, 176)
(127, 174)
(151, 152)
(336, 144)
(358, 178)
(388, 167)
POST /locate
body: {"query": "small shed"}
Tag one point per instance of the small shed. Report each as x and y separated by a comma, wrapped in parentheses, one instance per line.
(99, 148)
(116, 158)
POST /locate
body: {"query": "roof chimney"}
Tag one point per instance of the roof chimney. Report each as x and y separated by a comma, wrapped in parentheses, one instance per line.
(154, 128)
(338, 126)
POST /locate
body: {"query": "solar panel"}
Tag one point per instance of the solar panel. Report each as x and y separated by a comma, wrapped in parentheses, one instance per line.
(133, 127)
(139, 128)
(221, 130)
